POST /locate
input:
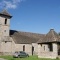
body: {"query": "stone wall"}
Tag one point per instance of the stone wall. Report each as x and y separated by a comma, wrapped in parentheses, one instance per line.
(6, 47)
(28, 48)
(43, 52)
(10, 47)
(35, 45)
(4, 28)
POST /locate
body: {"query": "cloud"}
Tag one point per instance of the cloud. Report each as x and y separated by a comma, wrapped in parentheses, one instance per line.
(10, 4)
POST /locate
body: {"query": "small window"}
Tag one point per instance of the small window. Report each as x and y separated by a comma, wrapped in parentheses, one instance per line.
(4, 30)
(5, 21)
(5, 41)
(23, 47)
(44, 47)
(22, 52)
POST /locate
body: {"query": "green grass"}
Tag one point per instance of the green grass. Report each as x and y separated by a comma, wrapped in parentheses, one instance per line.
(27, 58)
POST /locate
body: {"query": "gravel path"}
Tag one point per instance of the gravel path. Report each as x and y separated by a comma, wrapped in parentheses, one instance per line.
(2, 59)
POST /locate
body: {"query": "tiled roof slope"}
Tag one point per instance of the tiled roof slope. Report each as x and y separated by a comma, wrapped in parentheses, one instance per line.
(25, 37)
(51, 36)
(4, 12)
(33, 35)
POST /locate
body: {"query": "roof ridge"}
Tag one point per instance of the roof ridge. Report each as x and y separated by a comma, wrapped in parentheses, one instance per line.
(51, 36)
(54, 35)
(5, 13)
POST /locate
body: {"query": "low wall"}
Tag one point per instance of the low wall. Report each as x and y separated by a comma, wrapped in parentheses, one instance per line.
(44, 52)
(48, 55)
(6, 53)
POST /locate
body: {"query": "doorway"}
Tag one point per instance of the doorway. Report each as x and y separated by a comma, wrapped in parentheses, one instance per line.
(58, 48)
(32, 50)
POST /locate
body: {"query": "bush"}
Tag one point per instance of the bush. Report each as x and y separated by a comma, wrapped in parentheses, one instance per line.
(57, 58)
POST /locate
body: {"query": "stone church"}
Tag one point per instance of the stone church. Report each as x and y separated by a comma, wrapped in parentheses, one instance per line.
(43, 45)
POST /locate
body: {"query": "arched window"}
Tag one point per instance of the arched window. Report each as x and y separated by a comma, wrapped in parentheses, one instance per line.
(23, 47)
(5, 21)
(32, 48)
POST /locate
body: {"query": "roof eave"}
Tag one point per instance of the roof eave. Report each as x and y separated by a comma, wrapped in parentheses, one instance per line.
(48, 42)
(5, 15)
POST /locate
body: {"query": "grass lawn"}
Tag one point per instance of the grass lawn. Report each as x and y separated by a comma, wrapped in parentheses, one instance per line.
(27, 58)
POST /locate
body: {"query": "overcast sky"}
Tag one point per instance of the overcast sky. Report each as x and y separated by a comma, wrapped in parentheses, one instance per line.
(37, 16)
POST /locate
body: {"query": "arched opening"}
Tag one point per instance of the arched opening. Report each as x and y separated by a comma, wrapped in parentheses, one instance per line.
(23, 47)
(5, 21)
(32, 50)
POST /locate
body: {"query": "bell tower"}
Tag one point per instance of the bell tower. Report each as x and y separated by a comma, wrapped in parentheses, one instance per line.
(4, 23)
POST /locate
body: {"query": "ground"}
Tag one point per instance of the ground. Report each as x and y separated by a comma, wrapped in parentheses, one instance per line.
(27, 58)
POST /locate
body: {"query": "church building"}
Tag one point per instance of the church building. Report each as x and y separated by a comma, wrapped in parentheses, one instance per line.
(43, 45)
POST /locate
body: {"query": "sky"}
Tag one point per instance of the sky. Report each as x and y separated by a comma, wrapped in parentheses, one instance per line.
(37, 16)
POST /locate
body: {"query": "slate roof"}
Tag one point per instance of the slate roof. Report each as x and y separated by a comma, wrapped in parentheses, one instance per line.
(51, 36)
(27, 37)
(6, 39)
(5, 13)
